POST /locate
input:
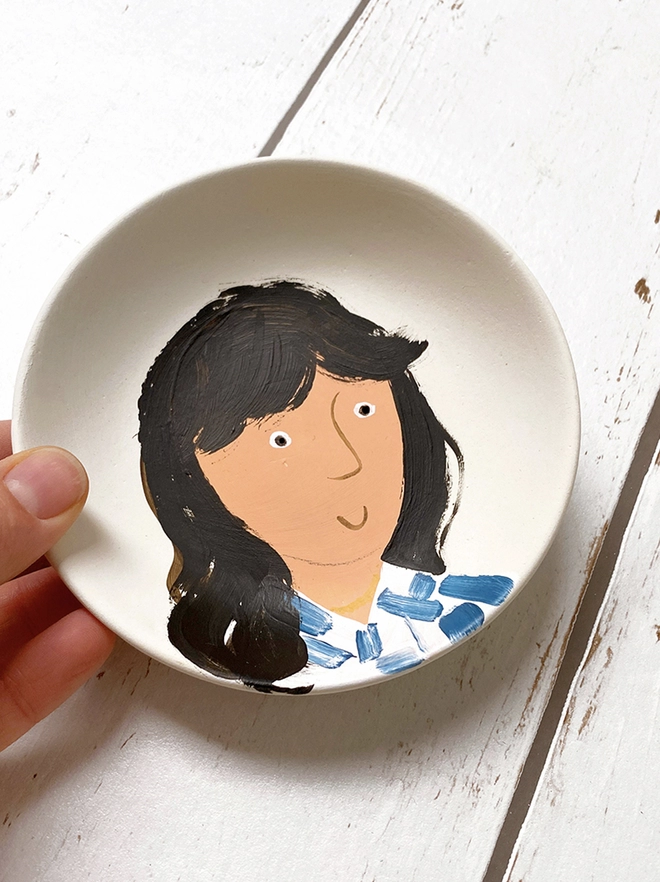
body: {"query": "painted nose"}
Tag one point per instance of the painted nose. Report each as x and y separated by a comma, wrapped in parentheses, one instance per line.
(347, 444)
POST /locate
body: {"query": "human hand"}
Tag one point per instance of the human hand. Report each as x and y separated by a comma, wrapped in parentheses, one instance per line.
(49, 644)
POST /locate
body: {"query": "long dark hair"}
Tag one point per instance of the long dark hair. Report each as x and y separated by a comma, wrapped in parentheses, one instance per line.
(251, 353)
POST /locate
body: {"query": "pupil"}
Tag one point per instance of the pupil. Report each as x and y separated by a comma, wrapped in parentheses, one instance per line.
(280, 441)
(364, 410)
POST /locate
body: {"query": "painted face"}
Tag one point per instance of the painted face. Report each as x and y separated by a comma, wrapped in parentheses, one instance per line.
(322, 483)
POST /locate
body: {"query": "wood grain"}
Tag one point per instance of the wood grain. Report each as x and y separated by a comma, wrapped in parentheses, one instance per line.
(542, 123)
(105, 103)
(596, 814)
(526, 119)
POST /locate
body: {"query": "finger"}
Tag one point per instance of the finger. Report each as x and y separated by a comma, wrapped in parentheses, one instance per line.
(29, 605)
(48, 670)
(5, 438)
(41, 564)
(42, 492)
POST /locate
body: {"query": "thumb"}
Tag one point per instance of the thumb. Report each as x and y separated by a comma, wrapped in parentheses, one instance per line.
(42, 492)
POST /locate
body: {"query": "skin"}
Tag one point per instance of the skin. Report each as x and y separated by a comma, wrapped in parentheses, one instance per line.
(328, 499)
(49, 645)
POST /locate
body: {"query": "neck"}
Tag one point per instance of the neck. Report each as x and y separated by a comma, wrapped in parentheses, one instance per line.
(347, 588)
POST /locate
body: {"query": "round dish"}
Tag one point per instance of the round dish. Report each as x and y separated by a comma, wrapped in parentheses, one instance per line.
(347, 260)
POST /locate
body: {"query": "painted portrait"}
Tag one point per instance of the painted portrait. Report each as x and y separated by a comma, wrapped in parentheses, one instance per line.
(306, 486)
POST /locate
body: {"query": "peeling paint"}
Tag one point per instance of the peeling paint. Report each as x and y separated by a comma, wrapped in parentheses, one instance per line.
(594, 551)
(537, 680)
(585, 719)
(643, 291)
(592, 649)
(566, 725)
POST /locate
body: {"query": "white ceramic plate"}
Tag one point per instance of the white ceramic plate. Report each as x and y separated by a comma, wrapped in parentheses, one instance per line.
(497, 375)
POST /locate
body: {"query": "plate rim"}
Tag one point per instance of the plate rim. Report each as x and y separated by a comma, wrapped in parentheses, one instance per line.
(384, 176)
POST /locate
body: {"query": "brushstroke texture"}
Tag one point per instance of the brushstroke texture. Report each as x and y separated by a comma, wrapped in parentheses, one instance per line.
(484, 589)
(422, 586)
(249, 354)
(461, 621)
(369, 644)
(313, 619)
(326, 655)
(399, 605)
(396, 662)
(421, 644)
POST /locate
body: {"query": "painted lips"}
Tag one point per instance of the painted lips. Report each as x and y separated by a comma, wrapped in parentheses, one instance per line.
(349, 525)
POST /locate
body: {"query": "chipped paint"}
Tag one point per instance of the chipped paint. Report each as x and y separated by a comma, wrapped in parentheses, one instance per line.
(595, 643)
(643, 291)
(585, 719)
(594, 551)
(565, 725)
(537, 679)
(579, 96)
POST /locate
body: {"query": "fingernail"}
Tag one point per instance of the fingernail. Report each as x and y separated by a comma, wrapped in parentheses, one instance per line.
(47, 482)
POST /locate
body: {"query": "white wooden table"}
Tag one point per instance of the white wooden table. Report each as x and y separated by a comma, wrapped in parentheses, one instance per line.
(544, 119)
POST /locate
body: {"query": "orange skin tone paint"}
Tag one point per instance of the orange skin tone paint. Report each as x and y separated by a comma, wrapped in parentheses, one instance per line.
(322, 485)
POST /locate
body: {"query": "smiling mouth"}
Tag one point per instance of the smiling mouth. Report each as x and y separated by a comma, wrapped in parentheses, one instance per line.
(349, 525)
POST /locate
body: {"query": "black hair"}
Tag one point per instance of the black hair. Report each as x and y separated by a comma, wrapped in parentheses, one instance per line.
(251, 353)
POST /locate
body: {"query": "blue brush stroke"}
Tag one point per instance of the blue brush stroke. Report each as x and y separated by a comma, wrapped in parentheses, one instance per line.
(418, 639)
(369, 644)
(461, 621)
(399, 605)
(398, 661)
(324, 654)
(422, 586)
(313, 619)
(484, 589)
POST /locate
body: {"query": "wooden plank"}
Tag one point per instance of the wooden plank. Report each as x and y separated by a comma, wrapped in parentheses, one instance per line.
(538, 122)
(105, 103)
(596, 814)
(542, 124)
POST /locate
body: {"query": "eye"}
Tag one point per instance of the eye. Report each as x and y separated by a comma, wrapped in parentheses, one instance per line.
(364, 409)
(280, 439)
